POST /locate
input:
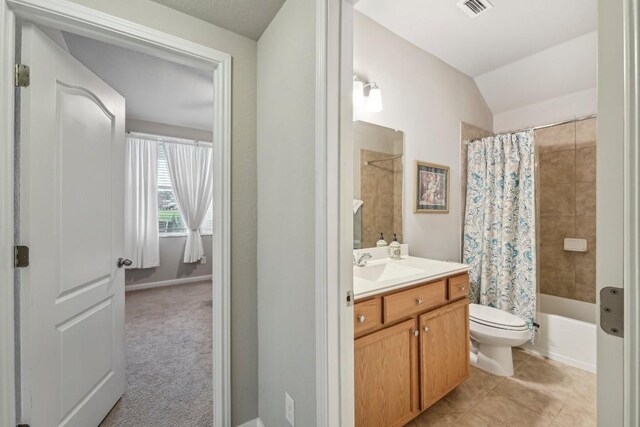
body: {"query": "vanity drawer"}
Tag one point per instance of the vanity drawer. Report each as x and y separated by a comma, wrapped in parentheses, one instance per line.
(458, 286)
(413, 301)
(366, 315)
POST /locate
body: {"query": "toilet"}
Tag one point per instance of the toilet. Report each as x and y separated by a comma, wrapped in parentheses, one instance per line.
(493, 333)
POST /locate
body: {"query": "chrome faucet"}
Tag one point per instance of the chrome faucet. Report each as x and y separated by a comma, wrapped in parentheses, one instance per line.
(362, 259)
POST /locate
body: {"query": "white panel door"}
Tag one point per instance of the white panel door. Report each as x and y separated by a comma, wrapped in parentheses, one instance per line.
(71, 217)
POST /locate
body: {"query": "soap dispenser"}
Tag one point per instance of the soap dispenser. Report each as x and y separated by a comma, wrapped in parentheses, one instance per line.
(394, 248)
(381, 243)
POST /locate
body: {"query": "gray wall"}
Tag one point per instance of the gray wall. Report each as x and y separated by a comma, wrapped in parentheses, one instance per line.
(286, 221)
(244, 338)
(171, 265)
(171, 248)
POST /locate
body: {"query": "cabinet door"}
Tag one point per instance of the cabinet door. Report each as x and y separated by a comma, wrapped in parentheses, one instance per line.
(444, 351)
(386, 376)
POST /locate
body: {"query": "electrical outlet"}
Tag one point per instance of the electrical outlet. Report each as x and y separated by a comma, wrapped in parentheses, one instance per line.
(289, 409)
(203, 260)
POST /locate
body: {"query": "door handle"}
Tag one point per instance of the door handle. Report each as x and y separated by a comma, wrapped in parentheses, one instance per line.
(124, 262)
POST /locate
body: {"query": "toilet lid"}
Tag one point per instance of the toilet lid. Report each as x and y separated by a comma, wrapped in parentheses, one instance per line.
(495, 318)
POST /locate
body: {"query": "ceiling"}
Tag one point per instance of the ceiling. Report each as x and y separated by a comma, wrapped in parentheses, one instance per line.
(512, 30)
(245, 17)
(519, 53)
(155, 89)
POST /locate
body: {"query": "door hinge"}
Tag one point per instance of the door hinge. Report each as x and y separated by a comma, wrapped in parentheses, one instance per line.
(22, 256)
(612, 311)
(23, 77)
(349, 298)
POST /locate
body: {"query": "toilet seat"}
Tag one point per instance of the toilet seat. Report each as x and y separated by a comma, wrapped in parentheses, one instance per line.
(495, 318)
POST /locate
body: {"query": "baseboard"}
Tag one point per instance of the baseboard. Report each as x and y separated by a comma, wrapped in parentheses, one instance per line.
(562, 359)
(256, 422)
(181, 281)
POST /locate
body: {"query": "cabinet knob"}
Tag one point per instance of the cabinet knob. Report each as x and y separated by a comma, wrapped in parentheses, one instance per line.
(461, 287)
(362, 318)
(426, 329)
(419, 301)
(415, 332)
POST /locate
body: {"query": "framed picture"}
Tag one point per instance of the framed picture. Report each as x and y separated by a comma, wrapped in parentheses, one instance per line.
(432, 188)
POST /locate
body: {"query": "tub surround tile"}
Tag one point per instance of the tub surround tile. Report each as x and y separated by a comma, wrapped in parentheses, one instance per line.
(556, 138)
(586, 133)
(567, 208)
(585, 199)
(560, 201)
(586, 164)
(557, 167)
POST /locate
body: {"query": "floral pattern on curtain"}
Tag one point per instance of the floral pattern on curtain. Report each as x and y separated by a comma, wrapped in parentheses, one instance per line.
(499, 227)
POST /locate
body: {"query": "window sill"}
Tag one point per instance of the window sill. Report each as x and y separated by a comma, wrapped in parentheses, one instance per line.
(163, 235)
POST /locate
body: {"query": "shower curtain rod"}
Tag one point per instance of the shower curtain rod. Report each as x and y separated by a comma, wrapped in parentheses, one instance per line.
(397, 156)
(564, 122)
(162, 138)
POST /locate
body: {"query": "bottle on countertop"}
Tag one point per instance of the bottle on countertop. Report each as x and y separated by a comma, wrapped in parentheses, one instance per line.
(394, 248)
(381, 243)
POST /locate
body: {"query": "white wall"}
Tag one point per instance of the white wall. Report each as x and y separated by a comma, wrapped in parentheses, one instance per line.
(426, 99)
(244, 339)
(553, 110)
(286, 220)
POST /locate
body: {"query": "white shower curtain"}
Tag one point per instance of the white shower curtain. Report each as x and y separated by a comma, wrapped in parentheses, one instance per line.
(191, 177)
(499, 229)
(141, 203)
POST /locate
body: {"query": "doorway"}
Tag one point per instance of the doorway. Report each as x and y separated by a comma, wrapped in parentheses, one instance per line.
(122, 33)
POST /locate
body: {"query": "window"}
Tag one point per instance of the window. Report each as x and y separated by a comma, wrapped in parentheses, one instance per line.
(169, 217)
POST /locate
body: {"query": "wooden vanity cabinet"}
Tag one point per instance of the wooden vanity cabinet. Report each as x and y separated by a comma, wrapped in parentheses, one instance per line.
(386, 376)
(411, 348)
(444, 351)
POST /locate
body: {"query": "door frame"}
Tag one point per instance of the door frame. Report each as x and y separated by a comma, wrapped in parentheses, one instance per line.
(69, 16)
(631, 278)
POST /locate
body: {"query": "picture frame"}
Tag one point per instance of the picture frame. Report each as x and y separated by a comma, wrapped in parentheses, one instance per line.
(432, 182)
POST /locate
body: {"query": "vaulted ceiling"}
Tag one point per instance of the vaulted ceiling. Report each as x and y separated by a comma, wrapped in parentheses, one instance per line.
(519, 52)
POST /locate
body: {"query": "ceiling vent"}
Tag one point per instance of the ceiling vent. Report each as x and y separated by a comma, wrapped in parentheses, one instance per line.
(474, 8)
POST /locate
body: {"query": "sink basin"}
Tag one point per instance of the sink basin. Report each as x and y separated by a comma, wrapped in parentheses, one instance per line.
(385, 272)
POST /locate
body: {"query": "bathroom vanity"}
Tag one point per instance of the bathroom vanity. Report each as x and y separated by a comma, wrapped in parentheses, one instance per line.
(411, 324)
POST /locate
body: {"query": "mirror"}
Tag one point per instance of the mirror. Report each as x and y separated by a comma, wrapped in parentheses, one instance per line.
(377, 184)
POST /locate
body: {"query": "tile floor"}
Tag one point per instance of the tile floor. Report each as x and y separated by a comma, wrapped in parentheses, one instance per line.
(542, 392)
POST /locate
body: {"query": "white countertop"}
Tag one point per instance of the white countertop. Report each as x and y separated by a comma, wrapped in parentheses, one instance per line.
(384, 275)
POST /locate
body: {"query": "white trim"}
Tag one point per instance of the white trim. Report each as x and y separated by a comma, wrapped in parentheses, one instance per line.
(7, 344)
(321, 282)
(632, 215)
(70, 16)
(562, 359)
(256, 422)
(162, 283)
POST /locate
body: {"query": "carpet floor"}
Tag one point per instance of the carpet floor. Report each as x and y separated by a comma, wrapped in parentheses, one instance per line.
(169, 362)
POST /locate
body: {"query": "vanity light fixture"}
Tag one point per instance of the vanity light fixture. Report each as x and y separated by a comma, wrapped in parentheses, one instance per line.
(372, 103)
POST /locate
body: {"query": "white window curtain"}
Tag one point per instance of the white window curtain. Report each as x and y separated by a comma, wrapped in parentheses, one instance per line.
(191, 177)
(142, 244)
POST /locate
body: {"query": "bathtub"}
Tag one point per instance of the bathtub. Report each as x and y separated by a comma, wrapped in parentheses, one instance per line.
(567, 332)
